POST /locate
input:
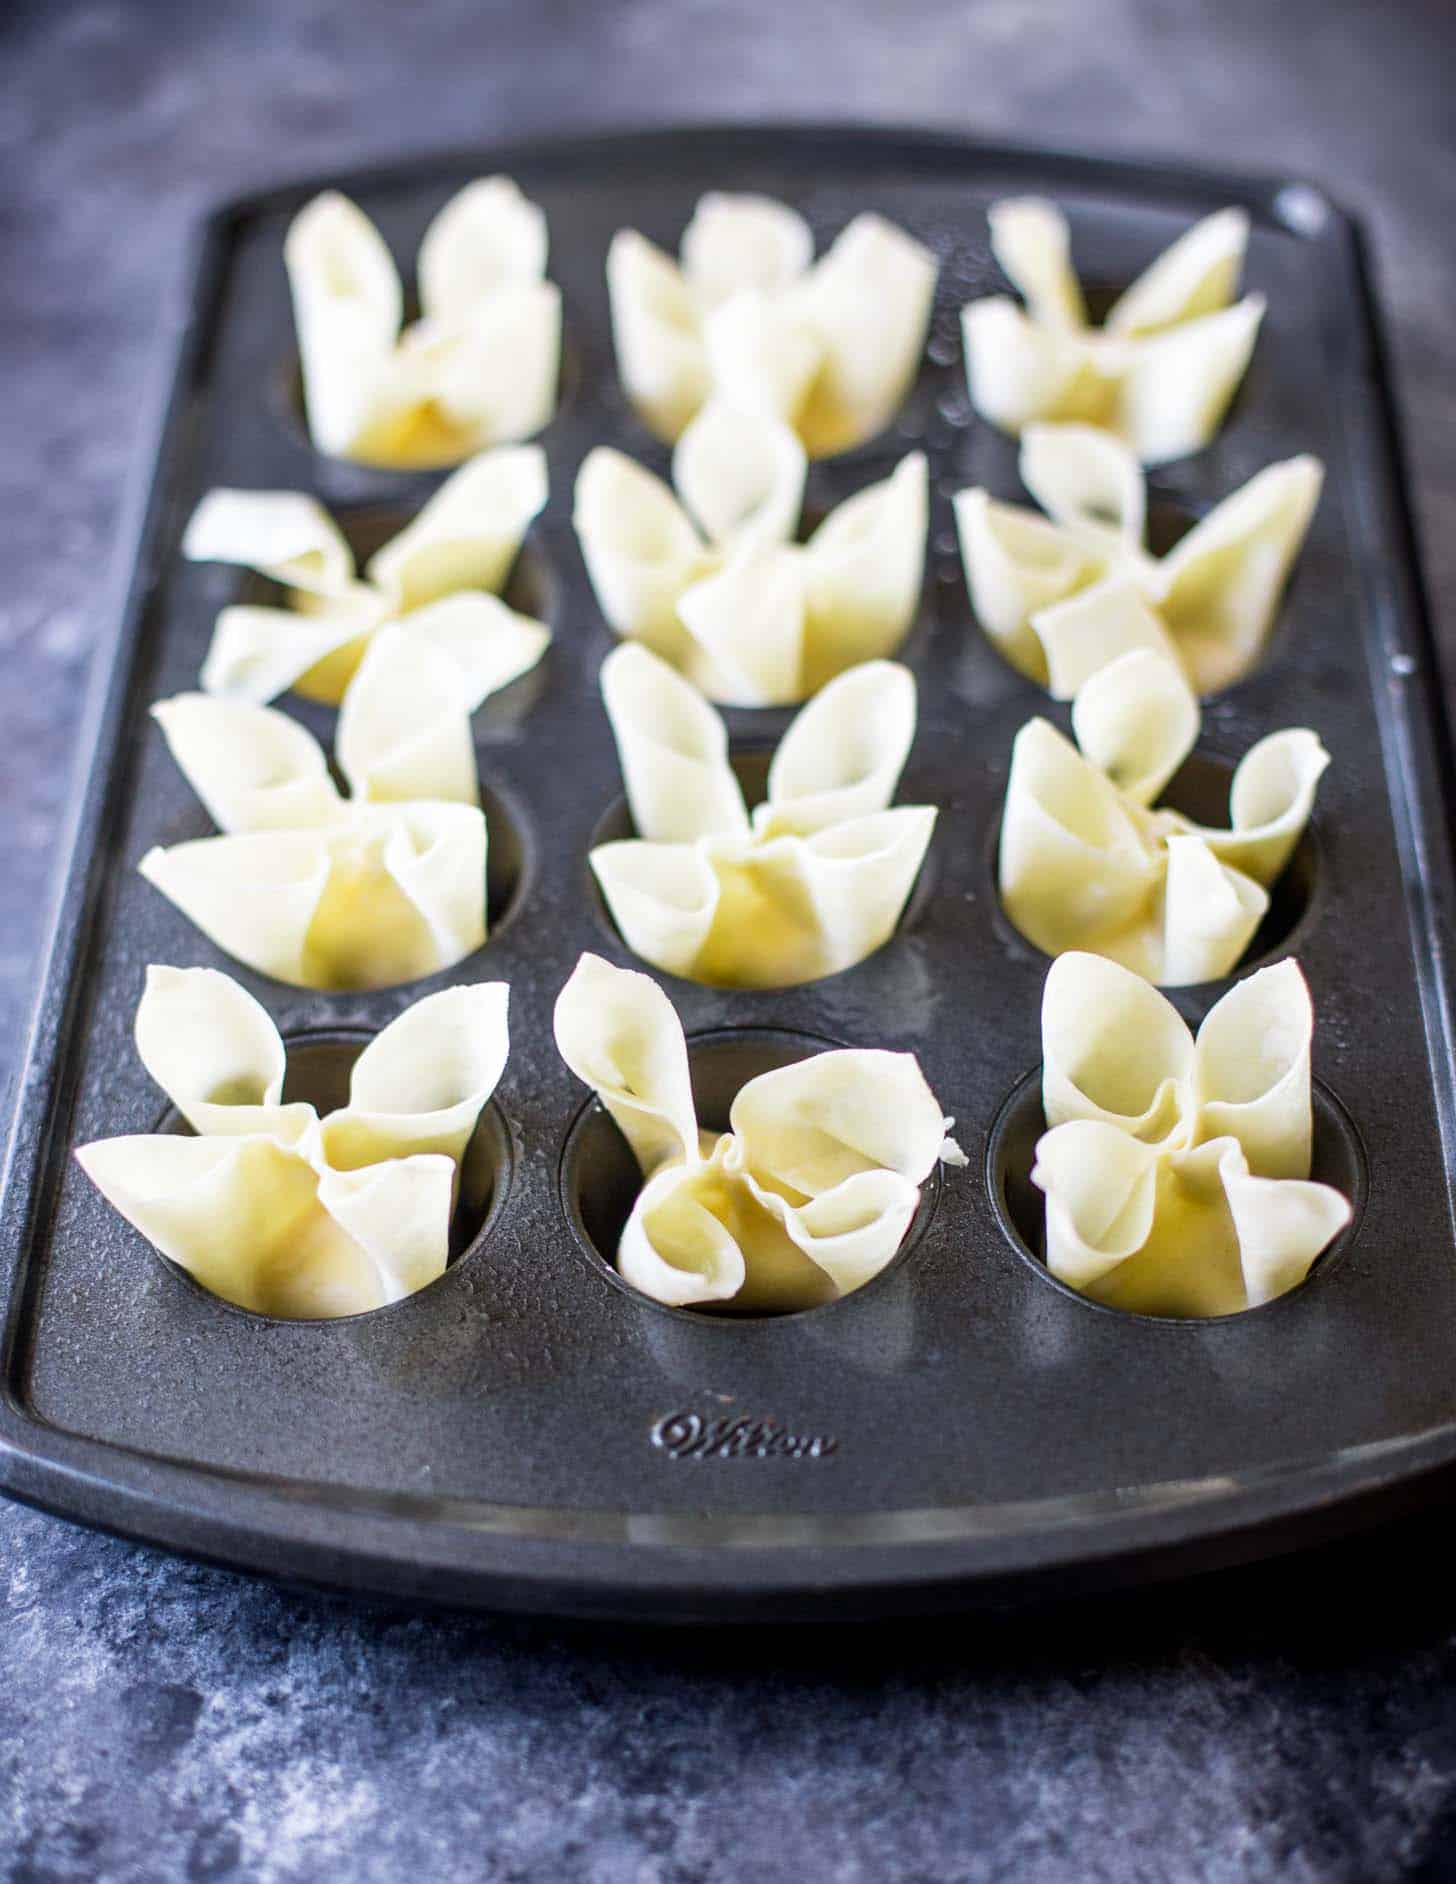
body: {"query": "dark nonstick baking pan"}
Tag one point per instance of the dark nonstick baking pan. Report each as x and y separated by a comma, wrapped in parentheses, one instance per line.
(527, 1433)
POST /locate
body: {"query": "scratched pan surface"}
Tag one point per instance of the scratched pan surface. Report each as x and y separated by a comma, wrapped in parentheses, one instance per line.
(526, 1432)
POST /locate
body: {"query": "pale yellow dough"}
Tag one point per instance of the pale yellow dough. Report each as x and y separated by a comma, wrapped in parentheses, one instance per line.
(1160, 371)
(1085, 864)
(710, 579)
(813, 882)
(314, 888)
(1063, 594)
(439, 576)
(1176, 1170)
(805, 1198)
(746, 315)
(270, 1206)
(478, 369)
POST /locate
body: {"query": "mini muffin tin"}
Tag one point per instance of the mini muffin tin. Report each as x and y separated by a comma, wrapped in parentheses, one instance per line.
(527, 1432)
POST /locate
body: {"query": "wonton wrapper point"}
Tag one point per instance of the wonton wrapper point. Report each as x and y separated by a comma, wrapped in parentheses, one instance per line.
(806, 1197)
(272, 1208)
(1160, 371)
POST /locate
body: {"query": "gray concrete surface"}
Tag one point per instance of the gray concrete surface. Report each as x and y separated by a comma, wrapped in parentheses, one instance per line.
(162, 1721)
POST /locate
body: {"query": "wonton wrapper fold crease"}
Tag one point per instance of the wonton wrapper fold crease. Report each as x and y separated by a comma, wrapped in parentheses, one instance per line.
(1061, 595)
(1176, 1170)
(439, 576)
(480, 366)
(1160, 371)
(806, 1197)
(271, 1207)
(316, 889)
(710, 580)
(1085, 864)
(813, 882)
(830, 348)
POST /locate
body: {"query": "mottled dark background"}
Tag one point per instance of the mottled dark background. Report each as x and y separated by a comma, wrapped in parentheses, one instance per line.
(161, 1721)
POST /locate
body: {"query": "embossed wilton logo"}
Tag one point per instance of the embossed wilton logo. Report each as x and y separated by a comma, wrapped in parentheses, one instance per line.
(690, 1436)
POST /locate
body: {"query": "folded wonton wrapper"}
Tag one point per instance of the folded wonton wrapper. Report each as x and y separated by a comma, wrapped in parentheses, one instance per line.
(478, 369)
(440, 575)
(1175, 1170)
(830, 348)
(273, 1208)
(1064, 594)
(1159, 372)
(311, 887)
(813, 882)
(715, 585)
(806, 1197)
(1084, 864)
